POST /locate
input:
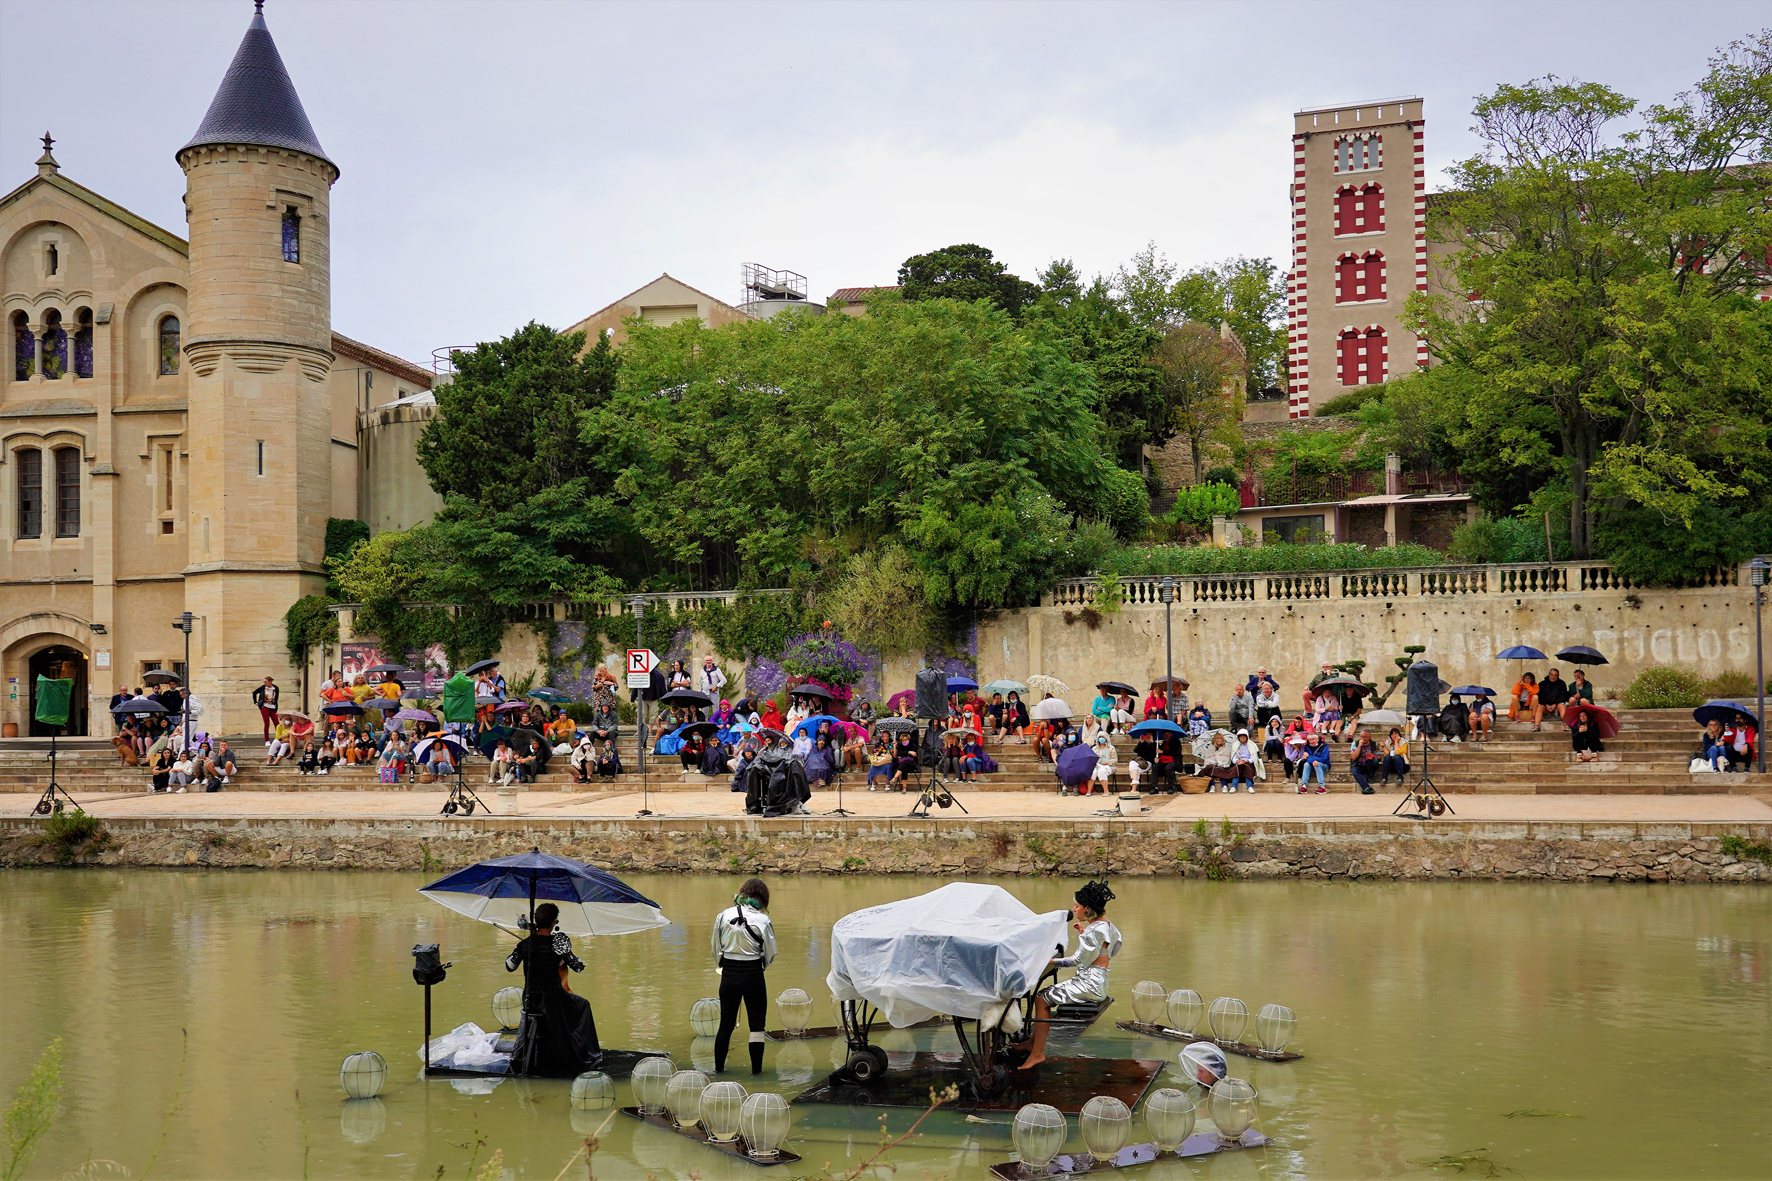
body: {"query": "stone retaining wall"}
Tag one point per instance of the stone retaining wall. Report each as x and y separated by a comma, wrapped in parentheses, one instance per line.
(1401, 850)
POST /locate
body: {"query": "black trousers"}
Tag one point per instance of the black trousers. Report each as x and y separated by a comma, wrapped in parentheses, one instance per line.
(741, 980)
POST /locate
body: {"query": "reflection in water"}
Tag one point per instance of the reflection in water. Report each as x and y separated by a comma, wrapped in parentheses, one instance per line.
(1426, 1013)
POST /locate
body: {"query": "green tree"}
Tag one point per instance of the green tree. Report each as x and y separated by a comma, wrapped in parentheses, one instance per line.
(1195, 368)
(965, 272)
(1617, 340)
(1102, 335)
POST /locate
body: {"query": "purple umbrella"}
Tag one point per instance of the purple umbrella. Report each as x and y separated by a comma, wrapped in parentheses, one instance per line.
(511, 707)
(1076, 765)
(414, 715)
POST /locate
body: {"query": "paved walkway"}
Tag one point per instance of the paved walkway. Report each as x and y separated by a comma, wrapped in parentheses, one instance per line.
(1263, 805)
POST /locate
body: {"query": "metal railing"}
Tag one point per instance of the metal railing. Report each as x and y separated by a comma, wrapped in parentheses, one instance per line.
(676, 602)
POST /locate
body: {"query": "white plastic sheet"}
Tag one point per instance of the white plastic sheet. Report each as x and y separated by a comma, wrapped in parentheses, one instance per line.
(466, 1047)
(960, 951)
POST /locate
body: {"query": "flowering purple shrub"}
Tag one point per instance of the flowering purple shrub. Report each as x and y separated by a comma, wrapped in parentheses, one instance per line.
(764, 677)
(825, 657)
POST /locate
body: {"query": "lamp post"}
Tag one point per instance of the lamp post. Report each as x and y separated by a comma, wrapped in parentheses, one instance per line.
(637, 605)
(183, 623)
(1166, 592)
(1756, 574)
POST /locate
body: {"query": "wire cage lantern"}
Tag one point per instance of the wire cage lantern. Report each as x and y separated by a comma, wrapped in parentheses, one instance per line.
(1039, 1133)
(507, 1006)
(362, 1074)
(704, 1016)
(1184, 1008)
(721, 1103)
(683, 1097)
(1274, 1027)
(592, 1091)
(701, 1055)
(1233, 1105)
(1106, 1125)
(360, 1121)
(1227, 1018)
(1148, 1001)
(795, 1008)
(763, 1121)
(651, 1075)
(1169, 1116)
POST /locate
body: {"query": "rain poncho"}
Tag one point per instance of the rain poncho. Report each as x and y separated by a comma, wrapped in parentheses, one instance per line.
(964, 950)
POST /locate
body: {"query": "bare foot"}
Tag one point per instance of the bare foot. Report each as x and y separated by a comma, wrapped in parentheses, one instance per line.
(1033, 1061)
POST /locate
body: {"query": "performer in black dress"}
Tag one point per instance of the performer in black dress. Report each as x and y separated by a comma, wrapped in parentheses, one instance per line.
(558, 1035)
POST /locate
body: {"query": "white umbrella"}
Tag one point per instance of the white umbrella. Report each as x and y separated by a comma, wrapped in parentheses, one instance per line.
(1041, 683)
(1051, 709)
(1383, 717)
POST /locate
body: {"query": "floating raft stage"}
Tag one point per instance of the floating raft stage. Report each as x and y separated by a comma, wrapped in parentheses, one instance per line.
(1199, 1144)
(616, 1064)
(1075, 1016)
(1065, 1083)
(1175, 1035)
(699, 1134)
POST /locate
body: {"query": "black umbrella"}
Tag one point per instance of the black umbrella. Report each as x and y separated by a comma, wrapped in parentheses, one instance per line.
(140, 705)
(692, 729)
(686, 697)
(1117, 687)
(1344, 687)
(811, 691)
(381, 703)
(486, 701)
(342, 707)
(479, 666)
(896, 726)
(1581, 654)
(160, 676)
(745, 705)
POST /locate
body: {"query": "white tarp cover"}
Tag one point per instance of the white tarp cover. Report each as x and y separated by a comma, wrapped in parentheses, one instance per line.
(955, 952)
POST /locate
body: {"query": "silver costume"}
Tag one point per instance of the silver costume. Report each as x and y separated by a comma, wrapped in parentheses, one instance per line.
(1090, 982)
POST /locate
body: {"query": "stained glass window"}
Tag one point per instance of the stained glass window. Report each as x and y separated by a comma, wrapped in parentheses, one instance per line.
(83, 345)
(24, 348)
(291, 236)
(30, 493)
(169, 345)
(55, 345)
(67, 492)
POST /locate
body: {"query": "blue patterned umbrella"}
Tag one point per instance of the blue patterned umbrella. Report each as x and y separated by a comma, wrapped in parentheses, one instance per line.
(505, 890)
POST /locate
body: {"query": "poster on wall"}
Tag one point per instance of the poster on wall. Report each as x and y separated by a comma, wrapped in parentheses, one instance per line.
(433, 661)
(355, 658)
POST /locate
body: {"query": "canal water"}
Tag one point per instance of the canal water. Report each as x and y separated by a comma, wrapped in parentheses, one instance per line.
(1516, 1030)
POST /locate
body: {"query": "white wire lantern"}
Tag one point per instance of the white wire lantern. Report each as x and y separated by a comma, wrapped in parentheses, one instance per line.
(720, 1104)
(507, 1007)
(1274, 1027)
(1148, 999)
(1233, 1105)
(1106, 1125)
(683, 1097)
(1169, 1115)
(362, 1074)
(1227, 1018)
(701, 1055)
(795, 1008)
(592, 1091)
(704, 1016)
(763, 1121)
(361, 1121)
(1039, 1134)
(651, 1075)
(1184, 1009)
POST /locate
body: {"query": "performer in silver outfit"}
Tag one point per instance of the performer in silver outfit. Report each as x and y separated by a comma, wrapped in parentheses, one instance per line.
(1098, 942)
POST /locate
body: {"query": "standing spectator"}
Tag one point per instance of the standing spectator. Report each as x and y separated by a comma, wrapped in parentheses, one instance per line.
(1316, 758)
(265, 697)
(1242, 710)
(1258, 678)
(1364, 760)
(679, 676)
(712, 679)
(1552, 695)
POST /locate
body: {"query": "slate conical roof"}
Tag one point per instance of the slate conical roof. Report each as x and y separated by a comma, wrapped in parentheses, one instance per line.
(257, 103)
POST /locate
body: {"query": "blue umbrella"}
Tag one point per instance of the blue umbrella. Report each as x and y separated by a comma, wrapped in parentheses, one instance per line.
(505, 890)
(961, 684)
(1720, 711)
(814, 723)
(1474, 690)
(1076, 765)
(551, 696)
(1157, 726)
(1520, 652)
(339, 708)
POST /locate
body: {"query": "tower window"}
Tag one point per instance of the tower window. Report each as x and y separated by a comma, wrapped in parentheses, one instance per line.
(67, 492)
(1359, 209)
(83, 344)
(1357, 153)
(55, 345)
(169, 345)
(261, 457)
(52, 259)
(24, 347)
(1359, 278)
(291, 235)
(1362, 356)
(166, 454)
(30, 493)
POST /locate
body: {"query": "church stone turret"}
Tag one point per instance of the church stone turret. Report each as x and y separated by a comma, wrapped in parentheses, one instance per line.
(258, 348)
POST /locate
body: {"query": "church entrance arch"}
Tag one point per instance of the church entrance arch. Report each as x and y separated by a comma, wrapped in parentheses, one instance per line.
(60, 662)
(50, 644)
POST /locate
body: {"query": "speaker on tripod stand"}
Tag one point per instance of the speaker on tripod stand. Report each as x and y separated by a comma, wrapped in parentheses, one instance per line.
(1422, 694)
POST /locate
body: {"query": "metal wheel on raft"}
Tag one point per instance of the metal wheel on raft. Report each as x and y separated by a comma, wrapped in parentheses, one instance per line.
(865, 1062)
(989, 1055)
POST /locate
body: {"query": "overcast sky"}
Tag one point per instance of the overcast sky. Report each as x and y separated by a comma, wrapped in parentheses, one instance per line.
(505, 161)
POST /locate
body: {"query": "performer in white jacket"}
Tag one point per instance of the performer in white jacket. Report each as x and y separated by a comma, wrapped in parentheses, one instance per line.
(744, 945)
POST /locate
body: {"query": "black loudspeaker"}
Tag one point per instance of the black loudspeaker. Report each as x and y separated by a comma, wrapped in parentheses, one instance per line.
(427, 965)
(1425, 687)
(932, 693)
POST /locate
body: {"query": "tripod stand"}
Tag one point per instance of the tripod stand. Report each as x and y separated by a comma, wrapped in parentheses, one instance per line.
(1427, 807)
(840, 810)
(935, 792)
(462, 798)
(53, 795)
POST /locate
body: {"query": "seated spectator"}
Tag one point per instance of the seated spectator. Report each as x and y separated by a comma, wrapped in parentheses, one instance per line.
(1716, 747)
(562, 729)
(1396, 757)
(504, 761)
(879, 762)
(583, 759)
(1044, 733)
(1581, 692)
(1246, 758)
(220, 764)
(855, 748)
(1522, 699)
(1455, 720)
(822, 761)
(691, 753)
(441, 759)
(993, 715)
(973, 759)
(1219, 764)
(1157, 704)
(1267, 702)
(160, 767)
(1553, 694)
(904, 761)
(1199, 720)
(1584, 735)
(1316, 759)
(1103, 746)
(864, 714)
(1089, 727)
(772, 718)
(1015, 717)
(1167, 764)
(1101, 709)
(1138, 768)
(279, 748)
(183, 770)
(1310, 692)
(1326, 712)
(1259, 678)
(128, 744)
(1273, 745)
(1121, 718)
(1743, 741)
(1364, 761)
(1482, 718)
(332, 753)
(1242, 709)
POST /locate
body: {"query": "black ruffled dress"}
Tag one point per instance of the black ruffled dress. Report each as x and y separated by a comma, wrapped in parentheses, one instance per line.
(557, 1037)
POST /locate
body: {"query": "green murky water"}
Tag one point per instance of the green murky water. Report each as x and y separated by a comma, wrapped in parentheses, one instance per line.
(204, 1016)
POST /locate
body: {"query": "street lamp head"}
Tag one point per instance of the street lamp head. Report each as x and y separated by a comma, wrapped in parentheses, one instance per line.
(637, 606)
(1756, 571)
(1166, 590)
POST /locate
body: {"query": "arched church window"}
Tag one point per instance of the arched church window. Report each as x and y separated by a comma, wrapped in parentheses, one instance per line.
(55, 345)
(169, 345)
(291, 235)
(30, 492)
(67, 492)
(24, 347)
(83, 344)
